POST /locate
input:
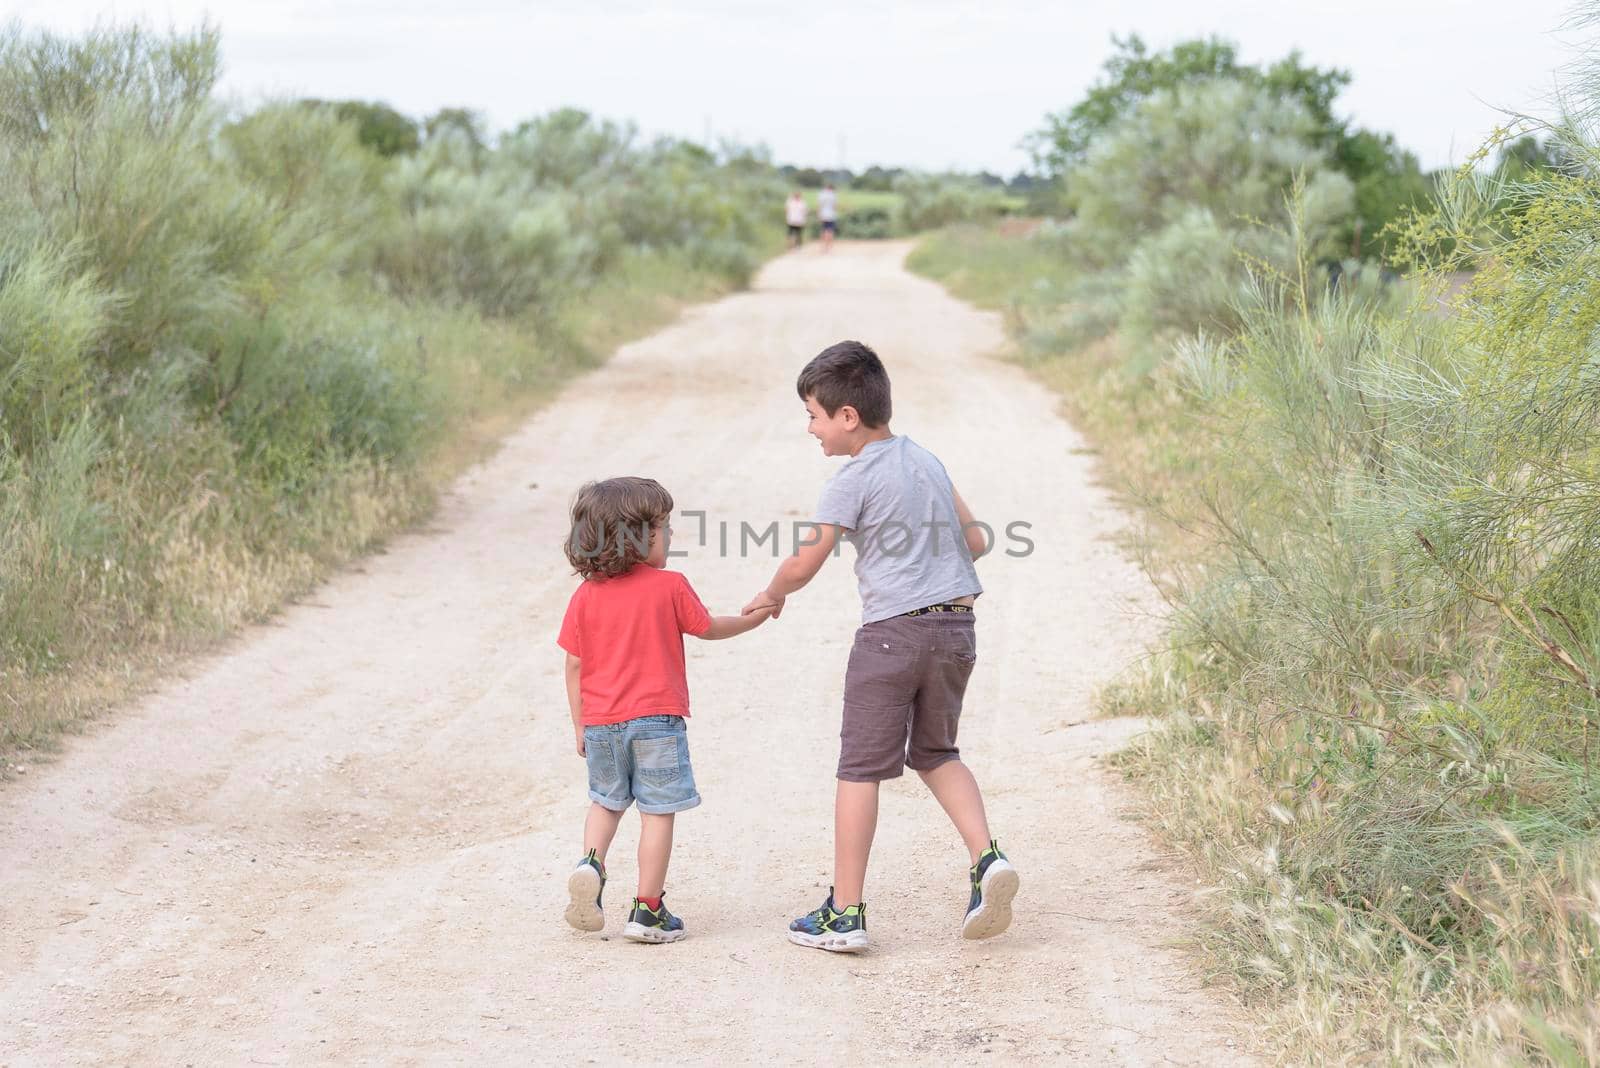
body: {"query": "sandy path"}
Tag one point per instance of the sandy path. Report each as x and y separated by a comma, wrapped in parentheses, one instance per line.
(347, 838)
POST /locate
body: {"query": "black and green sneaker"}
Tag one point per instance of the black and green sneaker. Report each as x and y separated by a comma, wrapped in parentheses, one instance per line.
(830, 929)
(586, 883)
(994, 884)
(646, 924)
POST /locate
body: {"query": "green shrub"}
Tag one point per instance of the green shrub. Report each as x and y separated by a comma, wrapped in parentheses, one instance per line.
(1394, 641)
(53, 318)
(1228, 148)
(930, 201)
(1377, 505)
(235, 350)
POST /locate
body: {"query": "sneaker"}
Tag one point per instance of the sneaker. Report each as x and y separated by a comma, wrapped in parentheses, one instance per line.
(652, 925)
(828, 928)
(586, 883)
(994, 884)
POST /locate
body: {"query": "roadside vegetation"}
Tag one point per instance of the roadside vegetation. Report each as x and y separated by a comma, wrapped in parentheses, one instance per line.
(917, 202)
(1372, 487)
(238, 349)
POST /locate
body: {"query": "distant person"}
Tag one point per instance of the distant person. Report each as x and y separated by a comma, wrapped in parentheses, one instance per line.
(795, 212)
(628, 691)
(828, 214)
(915, 542)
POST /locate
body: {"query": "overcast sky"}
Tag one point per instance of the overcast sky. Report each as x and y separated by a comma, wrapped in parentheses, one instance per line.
(921, 83)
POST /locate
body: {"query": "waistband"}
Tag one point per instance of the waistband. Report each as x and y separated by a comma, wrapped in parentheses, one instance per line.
(956, 608)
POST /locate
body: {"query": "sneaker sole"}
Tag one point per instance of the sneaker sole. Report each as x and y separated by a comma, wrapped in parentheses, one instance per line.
(582, 912)
(999, 885)
(638, 932)
(849, 942)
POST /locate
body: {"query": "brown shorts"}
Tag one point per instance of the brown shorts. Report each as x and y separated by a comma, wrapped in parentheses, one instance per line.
(902, 694)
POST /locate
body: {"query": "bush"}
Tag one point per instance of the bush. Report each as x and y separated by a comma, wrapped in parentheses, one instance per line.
(1375, 508)
(868, 222)
(53, 319)
(1178, 202)
(1222, 146)
(1387, 179)
(1393, 642)
(930, 201)
(237, 349)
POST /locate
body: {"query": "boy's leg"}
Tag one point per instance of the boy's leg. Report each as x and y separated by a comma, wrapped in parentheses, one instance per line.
(587, 882)
(932, 751)
(880, 684)
(655, 850)
(599, 828)
(855, 821)
(663, 783)
(957, 792)
(650, 920)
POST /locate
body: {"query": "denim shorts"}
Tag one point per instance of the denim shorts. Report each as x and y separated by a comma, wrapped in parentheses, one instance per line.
(644, 760)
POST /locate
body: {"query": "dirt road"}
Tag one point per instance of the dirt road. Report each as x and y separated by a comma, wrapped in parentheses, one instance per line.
(346, 839)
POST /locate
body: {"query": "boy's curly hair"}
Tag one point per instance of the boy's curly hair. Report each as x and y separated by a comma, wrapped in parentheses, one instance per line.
(611, 523)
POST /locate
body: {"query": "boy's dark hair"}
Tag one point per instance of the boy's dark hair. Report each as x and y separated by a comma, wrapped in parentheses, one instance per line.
(848, 373)
(611, 523)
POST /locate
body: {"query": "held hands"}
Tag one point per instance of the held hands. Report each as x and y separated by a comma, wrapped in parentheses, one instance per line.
(764, 601)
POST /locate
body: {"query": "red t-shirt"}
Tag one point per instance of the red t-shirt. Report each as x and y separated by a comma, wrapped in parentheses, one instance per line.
(628, 631)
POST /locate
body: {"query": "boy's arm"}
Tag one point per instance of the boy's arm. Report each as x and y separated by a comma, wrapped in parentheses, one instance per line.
(733, 626)
(796, 570)
(977, 544)
(575, 698)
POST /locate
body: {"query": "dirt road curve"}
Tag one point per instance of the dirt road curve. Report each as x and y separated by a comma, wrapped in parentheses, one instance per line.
(347, 838)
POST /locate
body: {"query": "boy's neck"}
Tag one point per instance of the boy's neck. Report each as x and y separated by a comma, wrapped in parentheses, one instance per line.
(867, 436)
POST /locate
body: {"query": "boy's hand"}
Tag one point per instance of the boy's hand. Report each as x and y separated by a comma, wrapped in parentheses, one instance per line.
(764, 600)
(579, 732)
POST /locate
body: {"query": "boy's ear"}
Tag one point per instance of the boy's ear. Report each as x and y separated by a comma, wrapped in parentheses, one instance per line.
(851, 417)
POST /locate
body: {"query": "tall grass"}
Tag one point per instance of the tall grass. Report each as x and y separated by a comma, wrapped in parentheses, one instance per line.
(1381, 543)
(236, 349)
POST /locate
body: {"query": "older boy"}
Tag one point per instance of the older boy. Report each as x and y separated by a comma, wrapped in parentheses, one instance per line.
(915, 542)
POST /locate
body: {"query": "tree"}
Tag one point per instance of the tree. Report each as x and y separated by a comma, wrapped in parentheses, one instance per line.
(378, 126)
(1131, 75)
(804, 177)
(1387, 178)
(1388, 184)
(877, 179)
(1522, 158)
(1220, 146)
(561, 148)
(468, 122)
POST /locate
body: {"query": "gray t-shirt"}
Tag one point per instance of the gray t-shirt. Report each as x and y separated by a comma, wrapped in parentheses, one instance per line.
(898, 508)
(827, 205)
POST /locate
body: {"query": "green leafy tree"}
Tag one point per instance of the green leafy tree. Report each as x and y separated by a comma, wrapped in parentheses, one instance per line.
(569, 145)
(1387, 178)
(877, 179)
(1134, 74)
(1521, 159)
(464, 122)
(378, 126)
(1131, 75)
(1389, 183)
(1222, 146)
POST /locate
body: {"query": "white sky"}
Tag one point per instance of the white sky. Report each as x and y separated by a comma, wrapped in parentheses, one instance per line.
(921, 83)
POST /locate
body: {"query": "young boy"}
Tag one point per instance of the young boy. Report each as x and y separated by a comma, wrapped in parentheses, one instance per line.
(628, 692)
(915, 542)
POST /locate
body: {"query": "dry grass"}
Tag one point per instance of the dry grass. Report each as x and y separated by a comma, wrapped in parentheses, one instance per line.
(213, 581)
(1397, 825)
